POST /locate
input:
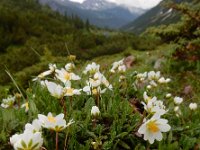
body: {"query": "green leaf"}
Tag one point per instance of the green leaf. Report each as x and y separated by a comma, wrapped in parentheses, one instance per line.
(121, 135)
(124, 145)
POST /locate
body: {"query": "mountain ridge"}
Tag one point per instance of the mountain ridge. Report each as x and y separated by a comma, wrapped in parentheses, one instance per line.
(105, 14)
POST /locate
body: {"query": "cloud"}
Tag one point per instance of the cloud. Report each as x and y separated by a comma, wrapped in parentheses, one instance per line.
(137, 3)
(134, 3)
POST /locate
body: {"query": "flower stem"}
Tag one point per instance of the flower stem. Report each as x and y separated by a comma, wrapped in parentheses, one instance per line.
(64, 106)
(94, 123)
(97, 100)
(56, 140)
(70, 99)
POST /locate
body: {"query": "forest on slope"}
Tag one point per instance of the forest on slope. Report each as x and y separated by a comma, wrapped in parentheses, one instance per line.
(30, 31)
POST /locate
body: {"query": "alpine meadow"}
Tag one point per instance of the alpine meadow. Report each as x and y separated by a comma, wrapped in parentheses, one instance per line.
(99, 75)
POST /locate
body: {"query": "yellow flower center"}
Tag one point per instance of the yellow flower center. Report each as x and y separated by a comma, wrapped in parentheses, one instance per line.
(51, 119)
(70, 91)
(152, 126)
(67, 76)
(94, 91)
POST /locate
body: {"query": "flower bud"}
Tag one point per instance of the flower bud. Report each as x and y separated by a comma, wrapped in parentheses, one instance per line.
(95, 111)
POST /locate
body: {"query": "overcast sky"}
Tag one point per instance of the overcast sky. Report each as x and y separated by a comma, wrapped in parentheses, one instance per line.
(136, 3)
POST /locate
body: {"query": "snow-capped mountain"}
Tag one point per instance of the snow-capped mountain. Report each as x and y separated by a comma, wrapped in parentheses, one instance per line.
(99, 12)
(97, 5)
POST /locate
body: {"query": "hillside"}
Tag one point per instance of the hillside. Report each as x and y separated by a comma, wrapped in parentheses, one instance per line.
(32, 35)
(154, 17)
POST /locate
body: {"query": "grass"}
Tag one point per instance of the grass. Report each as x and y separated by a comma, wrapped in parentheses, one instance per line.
(119, 121)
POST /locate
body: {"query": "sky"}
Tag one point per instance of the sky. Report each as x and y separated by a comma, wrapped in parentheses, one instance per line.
(136, 3)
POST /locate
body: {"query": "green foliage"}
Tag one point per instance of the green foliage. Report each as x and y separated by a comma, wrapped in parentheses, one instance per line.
(185, 34)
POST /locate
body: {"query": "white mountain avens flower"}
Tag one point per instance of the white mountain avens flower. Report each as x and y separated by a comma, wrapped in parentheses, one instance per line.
(26, 106)
(162, 80)
(148, 98)
(152, 75)
(118, 66)
(56, 123)
(52, 68)
(141, 76)
(69, 67)
(95, 111)
(193, 106)
(178, 100)
(27, 141)
(153, 83)
(155, 107)
(93, 90)
(35, 126)
(152, 129)
(99, 78)
(65, 76)
(55, 90)
(91, 68)
(122, 68)
(8, 102)
(14, 138)
(68, 91)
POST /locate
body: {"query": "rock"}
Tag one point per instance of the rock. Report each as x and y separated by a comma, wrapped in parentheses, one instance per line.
(129, 61)
(158, 63)
(187, 90)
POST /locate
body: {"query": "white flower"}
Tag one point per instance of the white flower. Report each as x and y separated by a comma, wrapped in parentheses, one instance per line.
(153, 128)
(99, 78)
(149, 87)
(15, 138)
(122, 68)
(66, 76)
(118, 65)
(155, 107)
(168, 95)
(93, 91)
(177, 111)
(55, 90)
(178, 100)
(152, 75)
(95, 111)
(121, 78)
(193, 106)
(27, 141)
(141, 76)
(162, 80)
(148, 98)
(56, 123)
(91, 68)
(68, 91)
(69, 67)
(153, 83)
(8, 102)
(26, 105)
(36, 126)
(52, 68)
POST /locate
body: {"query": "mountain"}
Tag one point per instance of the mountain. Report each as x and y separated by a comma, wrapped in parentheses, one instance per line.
(154, 17)
(99, 12)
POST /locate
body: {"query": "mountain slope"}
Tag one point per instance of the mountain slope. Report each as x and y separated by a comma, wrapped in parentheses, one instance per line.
(154, 17)
(98, 12)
